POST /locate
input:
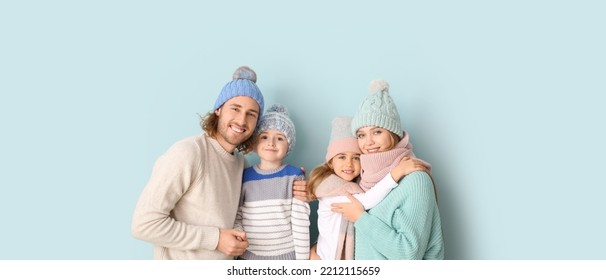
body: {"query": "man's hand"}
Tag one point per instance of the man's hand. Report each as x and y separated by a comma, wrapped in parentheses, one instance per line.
(299, 191)
(232, 242)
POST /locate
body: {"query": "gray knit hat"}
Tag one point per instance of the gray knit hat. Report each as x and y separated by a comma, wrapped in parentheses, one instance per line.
(378, 109)
(243, 84)
(277, 118)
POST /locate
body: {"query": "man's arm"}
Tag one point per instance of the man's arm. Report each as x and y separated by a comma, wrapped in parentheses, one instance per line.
(170, 179)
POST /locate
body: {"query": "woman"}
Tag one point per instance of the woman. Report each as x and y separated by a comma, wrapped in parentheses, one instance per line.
(406, 224)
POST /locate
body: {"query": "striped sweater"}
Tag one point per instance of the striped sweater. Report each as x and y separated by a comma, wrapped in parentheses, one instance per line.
(276, 225)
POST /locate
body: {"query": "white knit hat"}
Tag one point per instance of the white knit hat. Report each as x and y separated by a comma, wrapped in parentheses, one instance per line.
(277, 118)
(378, 109)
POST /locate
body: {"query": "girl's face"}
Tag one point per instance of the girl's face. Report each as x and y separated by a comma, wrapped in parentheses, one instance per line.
(373, 139)
(346, 165)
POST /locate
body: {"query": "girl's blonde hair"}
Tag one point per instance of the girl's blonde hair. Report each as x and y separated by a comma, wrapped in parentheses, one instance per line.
(317, 175)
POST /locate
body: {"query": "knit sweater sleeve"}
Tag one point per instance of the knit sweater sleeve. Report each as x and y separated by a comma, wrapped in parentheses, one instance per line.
(405, 234)
(171, 177)
(238, 223)
(300, 228)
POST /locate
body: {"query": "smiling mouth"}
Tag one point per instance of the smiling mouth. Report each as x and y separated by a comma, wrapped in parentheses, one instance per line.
(372, 150)
(237, 129)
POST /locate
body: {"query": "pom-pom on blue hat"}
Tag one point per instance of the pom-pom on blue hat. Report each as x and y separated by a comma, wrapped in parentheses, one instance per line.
(243, 84)
(277, 118)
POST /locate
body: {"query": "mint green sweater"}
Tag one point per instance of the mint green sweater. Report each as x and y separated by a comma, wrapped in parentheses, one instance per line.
(404, 226)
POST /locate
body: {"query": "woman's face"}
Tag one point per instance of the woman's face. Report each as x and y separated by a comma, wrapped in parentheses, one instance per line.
(346, 165)
(373, 139)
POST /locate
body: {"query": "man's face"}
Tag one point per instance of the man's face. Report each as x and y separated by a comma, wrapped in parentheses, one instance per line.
(237, 120)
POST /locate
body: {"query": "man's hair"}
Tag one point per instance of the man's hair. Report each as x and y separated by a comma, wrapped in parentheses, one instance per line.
(210, 124)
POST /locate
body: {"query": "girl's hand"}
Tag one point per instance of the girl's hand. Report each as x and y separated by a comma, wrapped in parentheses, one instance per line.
(406, 166)
(351, 210)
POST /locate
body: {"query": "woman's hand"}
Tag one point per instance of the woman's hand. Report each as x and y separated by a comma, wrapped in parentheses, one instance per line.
(406, 166)
(351, 210)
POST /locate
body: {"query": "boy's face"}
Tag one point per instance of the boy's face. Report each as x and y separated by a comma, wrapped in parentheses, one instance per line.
(346, 165)
(271, 145)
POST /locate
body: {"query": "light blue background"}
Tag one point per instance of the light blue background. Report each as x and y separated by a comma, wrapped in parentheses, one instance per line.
(504, 98)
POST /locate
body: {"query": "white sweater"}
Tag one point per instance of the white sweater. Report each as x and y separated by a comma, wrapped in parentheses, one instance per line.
(193, 191)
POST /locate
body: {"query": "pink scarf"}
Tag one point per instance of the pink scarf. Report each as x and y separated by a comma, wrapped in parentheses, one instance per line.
(377, 165)
(334, 185)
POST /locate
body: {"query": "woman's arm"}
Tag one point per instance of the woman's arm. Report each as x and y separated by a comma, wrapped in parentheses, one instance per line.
(405, 235)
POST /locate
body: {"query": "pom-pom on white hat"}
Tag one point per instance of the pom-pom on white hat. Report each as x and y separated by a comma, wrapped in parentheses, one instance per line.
(378, 109)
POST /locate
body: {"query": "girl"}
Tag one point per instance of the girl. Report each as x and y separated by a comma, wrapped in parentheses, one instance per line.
(406, 224)
(331, 181)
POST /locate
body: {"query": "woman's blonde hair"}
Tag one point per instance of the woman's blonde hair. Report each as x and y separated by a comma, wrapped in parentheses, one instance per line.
(395, 139)
(210, 124)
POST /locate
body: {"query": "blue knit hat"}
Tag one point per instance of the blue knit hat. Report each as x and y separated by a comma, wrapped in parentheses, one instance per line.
(243, 84)
(378, 109)
(277, 118)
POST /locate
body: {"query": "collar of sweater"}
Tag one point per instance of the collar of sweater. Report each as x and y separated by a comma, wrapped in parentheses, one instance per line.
(266, 172)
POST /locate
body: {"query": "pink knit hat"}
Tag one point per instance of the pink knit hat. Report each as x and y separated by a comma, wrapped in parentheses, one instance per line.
(341, 139)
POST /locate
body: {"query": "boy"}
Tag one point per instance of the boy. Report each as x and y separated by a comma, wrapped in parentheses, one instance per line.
(276, 224)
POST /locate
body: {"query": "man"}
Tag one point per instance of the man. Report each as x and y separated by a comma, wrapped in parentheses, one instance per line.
(188, 207)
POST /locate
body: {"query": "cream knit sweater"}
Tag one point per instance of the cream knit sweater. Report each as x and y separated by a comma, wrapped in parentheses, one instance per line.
(193, 192)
